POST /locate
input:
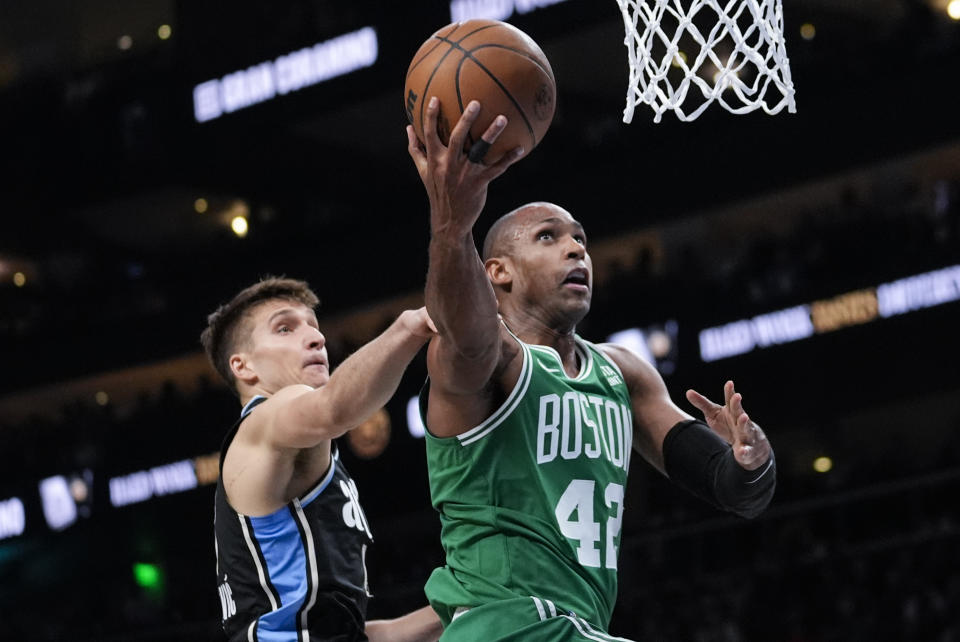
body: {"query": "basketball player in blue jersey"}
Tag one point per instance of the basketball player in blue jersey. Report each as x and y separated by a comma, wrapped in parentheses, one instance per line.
(291, 537)
(531, 428)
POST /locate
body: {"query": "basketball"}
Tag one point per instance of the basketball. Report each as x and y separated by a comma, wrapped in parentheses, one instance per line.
(491, 62)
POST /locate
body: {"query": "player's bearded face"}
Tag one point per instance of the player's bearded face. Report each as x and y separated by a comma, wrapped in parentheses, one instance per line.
(288, 347)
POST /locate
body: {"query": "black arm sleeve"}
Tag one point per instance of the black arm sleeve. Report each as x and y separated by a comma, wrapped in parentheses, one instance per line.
(700, 461)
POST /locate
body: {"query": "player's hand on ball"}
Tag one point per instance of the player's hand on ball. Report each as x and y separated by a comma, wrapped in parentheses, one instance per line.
(750, 446)
(456, 186)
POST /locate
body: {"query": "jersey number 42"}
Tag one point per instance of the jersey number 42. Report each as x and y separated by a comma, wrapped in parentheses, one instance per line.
(579, 498)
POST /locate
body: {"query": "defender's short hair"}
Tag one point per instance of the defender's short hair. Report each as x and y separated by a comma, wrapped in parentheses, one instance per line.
(226, 328)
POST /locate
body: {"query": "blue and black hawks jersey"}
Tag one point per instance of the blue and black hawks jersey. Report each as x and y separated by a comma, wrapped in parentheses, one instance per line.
(297, 574)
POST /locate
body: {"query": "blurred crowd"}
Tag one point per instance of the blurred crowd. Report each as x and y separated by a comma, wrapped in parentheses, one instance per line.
(860, 238)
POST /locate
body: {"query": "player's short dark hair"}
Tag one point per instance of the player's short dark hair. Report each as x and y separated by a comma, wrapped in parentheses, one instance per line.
(226, 328)
(499, 238)
(496, 241)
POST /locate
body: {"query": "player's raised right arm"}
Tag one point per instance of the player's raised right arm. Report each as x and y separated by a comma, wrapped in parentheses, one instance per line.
(459, 296)
(363, 383)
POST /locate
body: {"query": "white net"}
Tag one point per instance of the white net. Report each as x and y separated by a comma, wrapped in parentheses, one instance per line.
(686, 54)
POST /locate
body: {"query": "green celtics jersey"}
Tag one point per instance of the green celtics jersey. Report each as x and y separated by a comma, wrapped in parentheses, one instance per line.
(531, 500)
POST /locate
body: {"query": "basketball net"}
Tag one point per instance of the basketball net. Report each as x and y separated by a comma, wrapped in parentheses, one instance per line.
(686, 54)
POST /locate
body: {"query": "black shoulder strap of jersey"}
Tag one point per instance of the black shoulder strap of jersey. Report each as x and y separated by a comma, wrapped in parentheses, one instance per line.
(228, 438)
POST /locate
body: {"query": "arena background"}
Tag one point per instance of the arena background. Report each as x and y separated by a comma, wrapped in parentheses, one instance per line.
(814, 258)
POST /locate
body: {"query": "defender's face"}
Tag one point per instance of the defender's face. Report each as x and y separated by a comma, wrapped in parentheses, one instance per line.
(286, 346)
(554, 269)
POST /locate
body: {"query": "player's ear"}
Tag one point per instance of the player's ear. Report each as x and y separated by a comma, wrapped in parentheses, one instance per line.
(242, 368)
(498, 271)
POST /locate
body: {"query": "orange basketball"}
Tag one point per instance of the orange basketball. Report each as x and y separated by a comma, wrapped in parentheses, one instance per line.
(491, 62)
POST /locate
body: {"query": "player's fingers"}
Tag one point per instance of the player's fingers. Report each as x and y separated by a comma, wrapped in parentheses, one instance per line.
(489, 137)
(458, 137)
(736, 405)
(414, 148)
(506, 161)
(750, 435)
(747, 456)
(702, 404)
(432, 140)
(754, 429)
(495, 129)
(743, 429)
(727, 392)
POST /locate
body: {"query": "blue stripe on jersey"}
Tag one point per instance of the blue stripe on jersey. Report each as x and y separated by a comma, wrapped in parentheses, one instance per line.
(286, 561)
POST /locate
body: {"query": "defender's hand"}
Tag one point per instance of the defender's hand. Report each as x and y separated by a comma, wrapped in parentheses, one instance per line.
(456, 186)
(418, 323)
(750, 446)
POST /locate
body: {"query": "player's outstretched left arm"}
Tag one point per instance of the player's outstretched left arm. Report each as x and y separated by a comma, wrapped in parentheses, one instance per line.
(725, 460)
(750, 446)
(741, 472)
(421, 625)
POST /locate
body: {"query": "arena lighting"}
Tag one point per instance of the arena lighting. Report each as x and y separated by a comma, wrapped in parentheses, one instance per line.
(852, 308)
(59, 506)
(918, 292)
(200, 205)
(163, 32)
(207, 468)
(370, 439)
(19, 279)
(632, 339)
(147, 576)
(67, 498)
(823, 464)
(728, 81)
(287, 73)
(81, 490)
(150, 578)
(953, 9)
(761, 331)
(808, 31)
(155, 482)
(656, 344)
(240, 226)
(414, 423)
(495, 9)
(124, 42)
(12, 517)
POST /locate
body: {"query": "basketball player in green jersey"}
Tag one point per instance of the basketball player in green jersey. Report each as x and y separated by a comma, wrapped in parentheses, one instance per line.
(531, 428)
